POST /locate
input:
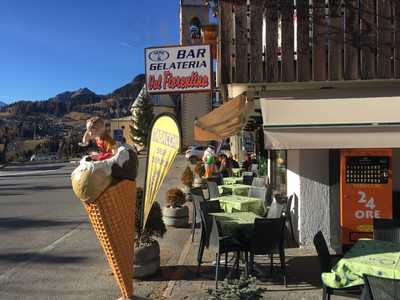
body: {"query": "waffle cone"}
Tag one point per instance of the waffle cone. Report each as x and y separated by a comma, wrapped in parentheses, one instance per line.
(112, 218)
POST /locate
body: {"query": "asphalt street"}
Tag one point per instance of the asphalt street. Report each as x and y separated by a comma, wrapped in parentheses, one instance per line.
(47, 247)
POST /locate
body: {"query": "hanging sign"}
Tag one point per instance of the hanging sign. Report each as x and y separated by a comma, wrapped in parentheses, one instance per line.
(177, 69)
(164, 143)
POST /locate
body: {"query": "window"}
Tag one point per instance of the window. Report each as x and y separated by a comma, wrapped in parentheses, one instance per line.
(195, 28)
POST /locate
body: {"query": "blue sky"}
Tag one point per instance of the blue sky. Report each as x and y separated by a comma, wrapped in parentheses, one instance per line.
(50, 46)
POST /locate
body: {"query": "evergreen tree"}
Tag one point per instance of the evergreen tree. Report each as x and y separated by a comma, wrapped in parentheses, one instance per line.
(142, 117)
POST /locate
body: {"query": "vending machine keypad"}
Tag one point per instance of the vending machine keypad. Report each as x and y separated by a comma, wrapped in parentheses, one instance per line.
(367, 169)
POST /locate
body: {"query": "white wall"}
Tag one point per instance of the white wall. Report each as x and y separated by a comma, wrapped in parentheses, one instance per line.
(308, 177)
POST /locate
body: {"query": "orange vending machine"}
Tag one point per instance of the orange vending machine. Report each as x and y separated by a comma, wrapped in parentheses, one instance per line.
(365, 191)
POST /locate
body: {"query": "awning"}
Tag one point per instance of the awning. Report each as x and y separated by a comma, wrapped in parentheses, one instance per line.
(224, 121)
(332, 118)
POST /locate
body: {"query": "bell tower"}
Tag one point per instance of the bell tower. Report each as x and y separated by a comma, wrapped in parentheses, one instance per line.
(193, 15)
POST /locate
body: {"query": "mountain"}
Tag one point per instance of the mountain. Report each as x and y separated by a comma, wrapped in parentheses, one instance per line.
(2, 104)
(81, 95)
(82, 100)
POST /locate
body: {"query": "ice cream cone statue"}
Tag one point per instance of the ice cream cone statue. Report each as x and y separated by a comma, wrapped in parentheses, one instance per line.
(105, 182)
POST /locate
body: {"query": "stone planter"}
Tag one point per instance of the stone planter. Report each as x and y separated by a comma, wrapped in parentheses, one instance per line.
(146, 261)
(176, 216)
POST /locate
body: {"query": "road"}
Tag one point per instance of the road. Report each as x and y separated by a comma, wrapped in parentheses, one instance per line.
(47, 247)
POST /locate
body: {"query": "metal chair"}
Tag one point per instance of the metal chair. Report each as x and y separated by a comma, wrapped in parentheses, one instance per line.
(387, 230)
(206, 207)
(377, 288)
(257, 192)
(258, 181)
(223, 244)
(197, 198)
(268, 239)
(275, 210)
(288, 213)
(326, 266)
(248, 178)
(212, 189)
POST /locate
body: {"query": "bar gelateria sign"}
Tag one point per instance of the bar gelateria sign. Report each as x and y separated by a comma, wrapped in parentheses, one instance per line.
(177, 69)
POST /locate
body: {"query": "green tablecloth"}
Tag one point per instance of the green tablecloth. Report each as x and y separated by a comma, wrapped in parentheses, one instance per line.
(371, 257)
(234, 189)
(237, 172)
(239, 225)
(241, 203)
(233, 180)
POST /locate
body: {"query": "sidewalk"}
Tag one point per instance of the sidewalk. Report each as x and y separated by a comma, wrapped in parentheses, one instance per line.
(303, 275)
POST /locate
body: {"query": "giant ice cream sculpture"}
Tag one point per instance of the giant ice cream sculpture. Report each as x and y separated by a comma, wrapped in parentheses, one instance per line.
(105, 182)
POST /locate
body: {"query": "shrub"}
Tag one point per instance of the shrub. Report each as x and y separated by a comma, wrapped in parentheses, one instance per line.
(155, 227)
(175, 197)
(241, 289)
(187, 177)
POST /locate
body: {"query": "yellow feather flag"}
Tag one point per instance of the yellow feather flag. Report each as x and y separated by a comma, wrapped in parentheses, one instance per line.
(164, 144)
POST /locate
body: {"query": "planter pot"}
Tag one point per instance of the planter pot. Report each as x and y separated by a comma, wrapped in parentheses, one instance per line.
(186, 191)
(146, 261)
(176, 216)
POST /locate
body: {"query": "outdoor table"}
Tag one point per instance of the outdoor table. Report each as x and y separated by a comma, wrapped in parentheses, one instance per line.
(238, 225)
(237, 172)
(370, 257)
(242, 203)
(234, 189)
(232, 180)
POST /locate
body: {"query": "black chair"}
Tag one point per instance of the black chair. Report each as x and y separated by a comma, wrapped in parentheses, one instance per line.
(224, 244)
(197, 197)
(326, 266)
(275, 210)
(268, 239)
(247, 178)
(212, 189)
(258, 181)
(377, 288)
(206, 207)
(288, 214)
(387, 230)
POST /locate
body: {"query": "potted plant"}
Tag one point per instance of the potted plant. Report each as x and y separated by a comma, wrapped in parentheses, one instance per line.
(187, 181)
(147, 250)
(175, 213)
(244, 288)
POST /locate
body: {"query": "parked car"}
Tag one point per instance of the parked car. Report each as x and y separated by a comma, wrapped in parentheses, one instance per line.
(195, 153)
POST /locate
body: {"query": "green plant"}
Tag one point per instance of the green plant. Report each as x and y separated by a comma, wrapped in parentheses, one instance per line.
(239, 289)
(155, 227)
(263, 166)
(142, 117)
(187, 177)
(175, 198)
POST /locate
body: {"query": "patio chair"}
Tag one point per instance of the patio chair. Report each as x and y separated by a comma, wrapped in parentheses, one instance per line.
(377, 288)
(387, 230)
(268, 239)
(326, 266)
(288, 214)
(212, 189)
(258, 181)
(257, 192)
(247, 178)
(275, 210)
(197, 197)
(224, 244)
(206, 207)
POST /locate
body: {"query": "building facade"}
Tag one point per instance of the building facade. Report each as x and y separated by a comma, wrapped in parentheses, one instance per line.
(193, 14)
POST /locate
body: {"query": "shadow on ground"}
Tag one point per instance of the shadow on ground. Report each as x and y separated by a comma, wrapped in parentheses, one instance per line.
(23, 223)
(40, 258)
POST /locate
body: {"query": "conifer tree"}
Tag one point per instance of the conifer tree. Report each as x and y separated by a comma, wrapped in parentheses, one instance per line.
(142, 117)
